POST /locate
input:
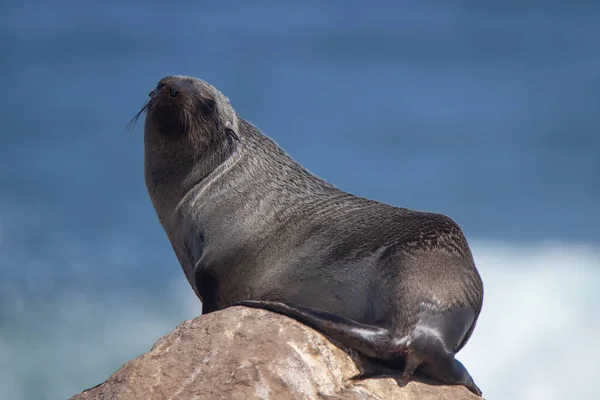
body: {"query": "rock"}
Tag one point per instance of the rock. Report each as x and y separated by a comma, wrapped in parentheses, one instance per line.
(242, 354)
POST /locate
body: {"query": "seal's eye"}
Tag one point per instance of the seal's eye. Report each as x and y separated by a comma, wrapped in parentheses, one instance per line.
(207, 106)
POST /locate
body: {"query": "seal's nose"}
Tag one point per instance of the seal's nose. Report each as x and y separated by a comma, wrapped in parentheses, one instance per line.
(170, 85)
(173, 90)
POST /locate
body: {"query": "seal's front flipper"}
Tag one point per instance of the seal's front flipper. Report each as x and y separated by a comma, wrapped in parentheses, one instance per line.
(372, 341)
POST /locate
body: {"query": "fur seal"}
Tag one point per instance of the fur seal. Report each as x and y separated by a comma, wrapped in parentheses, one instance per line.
(252, 227)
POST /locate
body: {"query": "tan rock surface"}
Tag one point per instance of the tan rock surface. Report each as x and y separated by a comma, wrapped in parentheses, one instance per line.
(243, 354)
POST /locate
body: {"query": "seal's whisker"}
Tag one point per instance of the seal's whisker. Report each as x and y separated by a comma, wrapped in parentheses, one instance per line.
(182, 120)
(188, 120)
(135, 118)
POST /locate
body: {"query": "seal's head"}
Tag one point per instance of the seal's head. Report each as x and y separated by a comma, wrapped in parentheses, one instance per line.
(187, 108)
(190, 129)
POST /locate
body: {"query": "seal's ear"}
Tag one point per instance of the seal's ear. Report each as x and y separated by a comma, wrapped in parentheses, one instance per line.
(231, 131)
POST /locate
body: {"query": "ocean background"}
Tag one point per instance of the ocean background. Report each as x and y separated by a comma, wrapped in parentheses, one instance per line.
(485, 111)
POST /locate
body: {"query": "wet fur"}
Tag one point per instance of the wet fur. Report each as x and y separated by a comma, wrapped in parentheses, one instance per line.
(252, 227)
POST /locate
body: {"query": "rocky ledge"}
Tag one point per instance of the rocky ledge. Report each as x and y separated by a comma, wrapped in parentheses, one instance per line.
(242, 353)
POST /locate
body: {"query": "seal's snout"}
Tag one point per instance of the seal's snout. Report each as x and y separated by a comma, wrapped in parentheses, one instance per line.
(171, 104)
(170, 86)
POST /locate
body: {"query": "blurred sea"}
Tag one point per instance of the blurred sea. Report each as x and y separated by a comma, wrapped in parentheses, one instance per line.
(486, 112)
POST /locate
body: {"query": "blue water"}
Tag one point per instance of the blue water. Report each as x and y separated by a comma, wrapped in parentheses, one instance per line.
(488, 113)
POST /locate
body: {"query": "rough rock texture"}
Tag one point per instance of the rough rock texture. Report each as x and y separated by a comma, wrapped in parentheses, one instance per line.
(241, 353)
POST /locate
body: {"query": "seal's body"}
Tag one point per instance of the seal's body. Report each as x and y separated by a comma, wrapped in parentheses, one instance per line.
(252, 227)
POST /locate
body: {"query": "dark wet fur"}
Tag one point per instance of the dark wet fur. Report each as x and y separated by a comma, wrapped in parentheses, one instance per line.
(397, 285)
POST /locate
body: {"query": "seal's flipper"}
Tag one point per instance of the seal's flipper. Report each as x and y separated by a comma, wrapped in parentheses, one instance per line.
(445, 368)
(372, 341)
(425, 350)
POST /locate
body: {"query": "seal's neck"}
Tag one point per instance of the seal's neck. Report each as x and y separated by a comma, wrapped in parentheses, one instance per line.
(172, 170)
(243, 180)
(258, 180)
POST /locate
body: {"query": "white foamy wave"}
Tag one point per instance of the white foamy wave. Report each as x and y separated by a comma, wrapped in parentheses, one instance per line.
(537, 337)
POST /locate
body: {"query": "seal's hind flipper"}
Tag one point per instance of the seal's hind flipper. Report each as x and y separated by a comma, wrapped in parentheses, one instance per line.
(372, 341)
(424, 350)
